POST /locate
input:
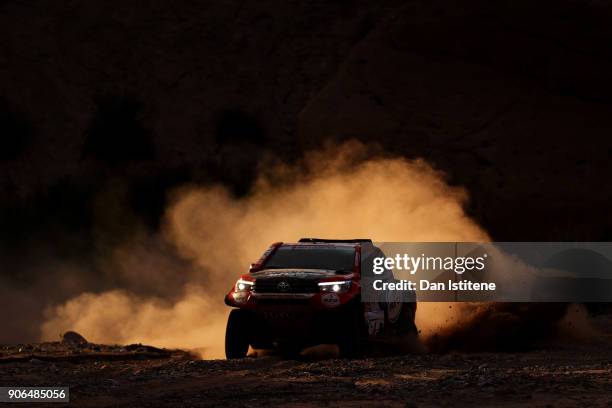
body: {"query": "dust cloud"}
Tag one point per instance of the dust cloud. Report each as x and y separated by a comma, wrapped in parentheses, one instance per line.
(120, 317)
(338, 192)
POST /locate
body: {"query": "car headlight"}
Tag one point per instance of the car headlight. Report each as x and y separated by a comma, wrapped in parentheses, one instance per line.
(335, 286)
(243, 285)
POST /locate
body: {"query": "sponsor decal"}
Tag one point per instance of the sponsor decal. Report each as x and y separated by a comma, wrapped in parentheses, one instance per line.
(394, 305)
(330, 299)
(376, 322)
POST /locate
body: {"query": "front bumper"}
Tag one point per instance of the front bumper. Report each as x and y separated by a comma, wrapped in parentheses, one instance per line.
(252, 300)
(298, 324)
(304, 318)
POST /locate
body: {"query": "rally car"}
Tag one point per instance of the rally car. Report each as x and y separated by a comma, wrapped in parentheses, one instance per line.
(302, 294)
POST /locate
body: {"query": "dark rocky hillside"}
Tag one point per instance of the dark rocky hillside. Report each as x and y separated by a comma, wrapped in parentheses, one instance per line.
(512, 99)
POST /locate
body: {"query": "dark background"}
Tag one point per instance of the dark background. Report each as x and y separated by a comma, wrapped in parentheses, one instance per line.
(105, 106)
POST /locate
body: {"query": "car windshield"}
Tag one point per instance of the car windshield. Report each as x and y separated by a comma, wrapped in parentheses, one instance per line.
(310, 257)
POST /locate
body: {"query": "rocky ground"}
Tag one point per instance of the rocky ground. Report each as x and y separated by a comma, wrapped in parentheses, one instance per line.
(136, 375)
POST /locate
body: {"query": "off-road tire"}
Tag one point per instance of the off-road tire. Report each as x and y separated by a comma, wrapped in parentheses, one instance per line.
(237, 334)
(289, 350)
(406, 321)
(350, 344)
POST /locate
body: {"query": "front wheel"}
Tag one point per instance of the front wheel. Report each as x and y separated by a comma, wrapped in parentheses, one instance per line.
(352, 332)
(237, 334)
(289, 350)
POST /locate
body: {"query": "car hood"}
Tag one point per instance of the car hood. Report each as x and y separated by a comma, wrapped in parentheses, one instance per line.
(294, 273)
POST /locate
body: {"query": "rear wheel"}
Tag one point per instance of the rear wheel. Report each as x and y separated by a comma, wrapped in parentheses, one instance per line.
(406, 323)
(237, 334)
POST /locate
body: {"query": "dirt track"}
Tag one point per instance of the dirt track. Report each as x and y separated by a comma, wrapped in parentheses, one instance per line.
(136, 376)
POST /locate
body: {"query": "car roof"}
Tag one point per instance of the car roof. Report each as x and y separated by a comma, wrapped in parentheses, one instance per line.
(336, 241)
(320, 244)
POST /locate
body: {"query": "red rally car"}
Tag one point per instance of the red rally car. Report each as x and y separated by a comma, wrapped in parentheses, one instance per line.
(307, 293)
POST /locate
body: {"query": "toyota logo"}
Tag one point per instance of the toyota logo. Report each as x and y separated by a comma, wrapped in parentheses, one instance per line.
(283, 286)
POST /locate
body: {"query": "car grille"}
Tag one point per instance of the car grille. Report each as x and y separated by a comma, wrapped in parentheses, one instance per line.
(283, 302)
(284, 285)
